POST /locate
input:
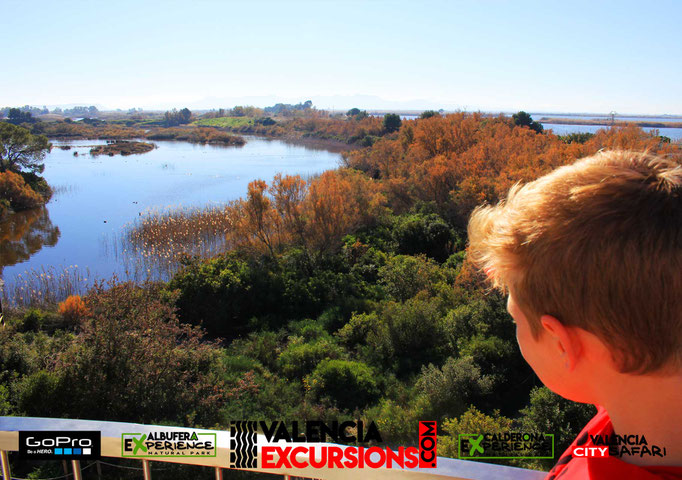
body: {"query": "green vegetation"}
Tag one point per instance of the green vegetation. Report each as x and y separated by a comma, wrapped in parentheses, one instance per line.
(524, 119)
(21, 160)
(173, 118)
(225, 122)
(196, 135)
(122, 147)
(392, 122)
(346, 296)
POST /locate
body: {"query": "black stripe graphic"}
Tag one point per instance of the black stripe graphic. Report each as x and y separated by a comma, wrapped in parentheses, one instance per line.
(244, 452)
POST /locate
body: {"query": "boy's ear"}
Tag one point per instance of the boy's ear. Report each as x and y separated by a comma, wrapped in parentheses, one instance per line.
(564, 341)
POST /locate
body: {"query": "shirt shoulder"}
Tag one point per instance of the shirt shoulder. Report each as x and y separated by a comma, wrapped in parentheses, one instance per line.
(569, 467)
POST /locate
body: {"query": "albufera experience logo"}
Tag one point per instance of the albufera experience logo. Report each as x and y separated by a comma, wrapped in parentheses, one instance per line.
(168, 443)
(302, 445)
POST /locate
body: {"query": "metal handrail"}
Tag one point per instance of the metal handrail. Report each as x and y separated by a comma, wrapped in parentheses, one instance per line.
(448, 468)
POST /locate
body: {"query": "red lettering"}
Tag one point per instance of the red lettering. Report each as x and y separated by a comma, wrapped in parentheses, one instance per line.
(283, 460)
(411, 457)
(334, 456)
(351, 454)
(313, 461)
(268, 454)
(294, 460)
(374, 463)
(397, 457)
(427, 444)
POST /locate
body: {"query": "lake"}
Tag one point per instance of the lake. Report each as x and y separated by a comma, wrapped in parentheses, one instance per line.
(97, 197)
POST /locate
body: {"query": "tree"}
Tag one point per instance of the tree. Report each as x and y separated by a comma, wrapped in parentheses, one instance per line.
(17, 116)
(174, 118)
(392, 122)
(524, 119)
(429, 114)
(20, 150)
(357, 113)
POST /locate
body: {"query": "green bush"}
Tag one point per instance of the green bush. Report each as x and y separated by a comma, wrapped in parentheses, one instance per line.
(349, 384)
(471, 421)
(43, 394)
(453, 387)
(424, 234)
(550, 413)
(404, 276)
(133, 361)
(299, 359)
(218, 294)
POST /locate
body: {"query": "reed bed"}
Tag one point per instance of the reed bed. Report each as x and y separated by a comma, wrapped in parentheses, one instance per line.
(46, 286)
(154, 246)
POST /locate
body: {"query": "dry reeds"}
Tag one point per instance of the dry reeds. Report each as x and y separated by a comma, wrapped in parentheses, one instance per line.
(46, 286)
(154, 246)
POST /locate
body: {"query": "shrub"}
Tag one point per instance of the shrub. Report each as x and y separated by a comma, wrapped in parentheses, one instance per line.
(299, 359)
(453, 387)
(133, 361)
(17, 192)
(404, 276)
(217, 294)
(33, 320)
(73, 309)
(550, 413)
(426, 234)
(349, 384)
(471, 421)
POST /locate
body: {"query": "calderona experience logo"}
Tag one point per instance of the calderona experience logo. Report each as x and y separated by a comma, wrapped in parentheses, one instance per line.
(168, 443)
(507, 445)
(303, 451)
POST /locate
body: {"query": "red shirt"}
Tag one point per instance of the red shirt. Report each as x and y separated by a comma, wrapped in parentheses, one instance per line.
(584, 468)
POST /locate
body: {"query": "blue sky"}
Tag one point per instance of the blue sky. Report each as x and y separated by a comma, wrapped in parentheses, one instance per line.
(594, 56)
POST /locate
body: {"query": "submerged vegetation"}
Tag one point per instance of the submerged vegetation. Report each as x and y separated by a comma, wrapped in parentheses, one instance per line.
(347, 295)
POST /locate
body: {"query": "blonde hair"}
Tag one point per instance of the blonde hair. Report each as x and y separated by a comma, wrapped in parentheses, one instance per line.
(598, 245)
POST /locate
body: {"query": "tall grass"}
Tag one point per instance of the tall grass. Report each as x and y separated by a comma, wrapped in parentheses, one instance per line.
(46, 286)
(154, 246)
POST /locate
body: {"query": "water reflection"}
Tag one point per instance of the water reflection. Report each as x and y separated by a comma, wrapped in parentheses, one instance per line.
(23, 234)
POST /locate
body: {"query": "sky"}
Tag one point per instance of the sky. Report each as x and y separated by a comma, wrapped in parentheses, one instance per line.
(542, 56)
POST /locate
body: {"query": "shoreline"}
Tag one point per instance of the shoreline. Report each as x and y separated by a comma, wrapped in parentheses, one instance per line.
(607, 123)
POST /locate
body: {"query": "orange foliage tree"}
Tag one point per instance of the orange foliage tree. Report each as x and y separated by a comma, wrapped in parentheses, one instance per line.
(461, 160)
(455, 162)
(16, 193)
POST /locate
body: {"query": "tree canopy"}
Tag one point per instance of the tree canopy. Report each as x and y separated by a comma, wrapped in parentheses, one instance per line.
(524, 119)
(18, 116)
(20, 150)
(174, 118)
(392, 122)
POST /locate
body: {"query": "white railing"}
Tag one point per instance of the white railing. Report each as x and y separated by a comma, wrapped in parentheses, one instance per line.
(448, 468)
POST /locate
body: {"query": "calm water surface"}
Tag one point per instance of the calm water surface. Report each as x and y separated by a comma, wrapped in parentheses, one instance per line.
(95, 197)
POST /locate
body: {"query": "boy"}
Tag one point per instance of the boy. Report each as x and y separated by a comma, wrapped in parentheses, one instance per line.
(591, 257)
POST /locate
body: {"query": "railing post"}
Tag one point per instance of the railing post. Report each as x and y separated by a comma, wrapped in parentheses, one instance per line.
(146, 470)
(76, 466)
(218, 473)
(4, 460)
